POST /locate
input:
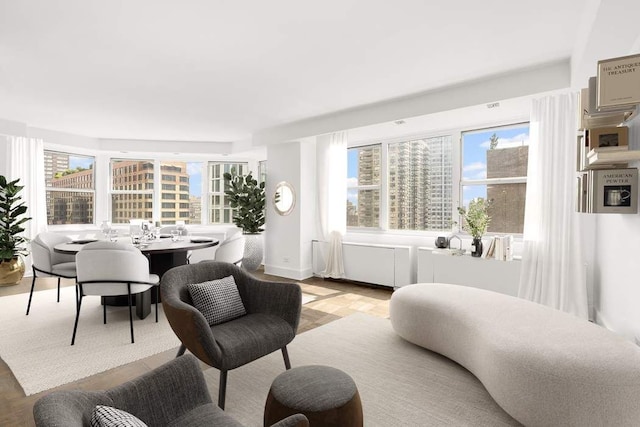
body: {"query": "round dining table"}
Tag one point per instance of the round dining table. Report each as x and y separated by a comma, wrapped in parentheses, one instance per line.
(163, 254)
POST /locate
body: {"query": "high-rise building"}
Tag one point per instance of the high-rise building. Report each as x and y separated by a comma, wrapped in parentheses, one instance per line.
(369, 162)
(420, 184)
(73, 206)
(507, 201)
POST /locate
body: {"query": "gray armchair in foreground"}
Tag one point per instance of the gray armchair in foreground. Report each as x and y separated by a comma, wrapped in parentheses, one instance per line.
(174, 394)
(271, 322)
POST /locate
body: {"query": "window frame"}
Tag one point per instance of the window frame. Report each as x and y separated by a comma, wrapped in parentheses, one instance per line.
(457, 176)
(91, 191)
(489, 181)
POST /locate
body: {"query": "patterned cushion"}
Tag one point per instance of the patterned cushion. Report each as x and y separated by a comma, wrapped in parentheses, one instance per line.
(218, 300)
(106, 416)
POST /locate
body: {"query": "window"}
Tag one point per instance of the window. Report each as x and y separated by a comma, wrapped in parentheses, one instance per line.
(125, 192)
(495, 167)
(220, 211)
(363, 186)
(408, 183)
(69, 181)
(419, 188)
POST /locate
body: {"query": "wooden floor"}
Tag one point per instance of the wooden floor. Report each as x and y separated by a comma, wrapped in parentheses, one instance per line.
(333, 300)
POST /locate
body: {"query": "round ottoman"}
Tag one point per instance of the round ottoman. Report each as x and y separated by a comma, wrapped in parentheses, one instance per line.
(325, 395)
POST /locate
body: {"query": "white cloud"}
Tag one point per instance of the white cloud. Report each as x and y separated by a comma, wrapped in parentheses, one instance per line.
(476, 166)
(476, 170)
(194, 168)
(352, 182)
(515, 141)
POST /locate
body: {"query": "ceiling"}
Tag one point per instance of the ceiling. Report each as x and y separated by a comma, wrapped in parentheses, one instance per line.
(213, 70)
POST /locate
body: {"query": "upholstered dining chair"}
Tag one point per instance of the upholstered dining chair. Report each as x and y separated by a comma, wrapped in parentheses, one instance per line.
(270, 322)
(112, 269)
(48, 263)
(231, 250)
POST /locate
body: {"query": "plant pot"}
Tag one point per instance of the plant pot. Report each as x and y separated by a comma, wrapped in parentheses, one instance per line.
(11, 272)
(253, 252)
(476, 248)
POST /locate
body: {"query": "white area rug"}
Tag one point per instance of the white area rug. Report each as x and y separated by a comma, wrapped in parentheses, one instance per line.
(400, 384)
(38, 348)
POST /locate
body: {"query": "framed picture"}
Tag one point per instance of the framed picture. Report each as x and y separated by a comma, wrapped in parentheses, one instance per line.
(608, 138)
(618, 82)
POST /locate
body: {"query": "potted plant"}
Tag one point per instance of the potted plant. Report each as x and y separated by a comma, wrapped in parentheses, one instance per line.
(12, 241)
(248, 197)
(476, 219)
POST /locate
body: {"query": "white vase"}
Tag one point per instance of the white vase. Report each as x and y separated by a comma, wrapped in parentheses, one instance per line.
(253, 252)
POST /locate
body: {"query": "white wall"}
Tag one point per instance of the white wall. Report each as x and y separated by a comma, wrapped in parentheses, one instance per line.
(617, 266)
(283, 235)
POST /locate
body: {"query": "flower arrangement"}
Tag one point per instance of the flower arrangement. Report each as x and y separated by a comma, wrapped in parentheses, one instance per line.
(476, 217)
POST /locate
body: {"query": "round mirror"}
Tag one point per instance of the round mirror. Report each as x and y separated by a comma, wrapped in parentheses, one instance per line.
(285, 198)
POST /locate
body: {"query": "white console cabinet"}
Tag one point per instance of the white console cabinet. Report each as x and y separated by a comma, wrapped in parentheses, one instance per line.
(490, 274)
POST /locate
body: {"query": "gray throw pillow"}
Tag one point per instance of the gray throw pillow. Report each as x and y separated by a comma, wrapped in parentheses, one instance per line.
(107, 416)
(218, 300)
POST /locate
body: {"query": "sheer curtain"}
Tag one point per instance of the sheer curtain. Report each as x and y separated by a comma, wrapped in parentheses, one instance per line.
(553, 270)
(26, 161)
(331, 159)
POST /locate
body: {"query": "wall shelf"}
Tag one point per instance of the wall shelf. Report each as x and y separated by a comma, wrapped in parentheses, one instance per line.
(614, 158)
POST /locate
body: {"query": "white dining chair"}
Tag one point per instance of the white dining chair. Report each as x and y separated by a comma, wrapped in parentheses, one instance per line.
(46, 262)
(112, 269)
(231, 250)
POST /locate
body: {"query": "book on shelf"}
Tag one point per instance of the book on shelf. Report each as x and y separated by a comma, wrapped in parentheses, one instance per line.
(614, 190)
(608, 191)
(608, 149)
(500, 248)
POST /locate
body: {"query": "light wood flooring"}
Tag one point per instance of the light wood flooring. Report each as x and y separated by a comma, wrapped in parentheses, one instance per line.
(333, 300)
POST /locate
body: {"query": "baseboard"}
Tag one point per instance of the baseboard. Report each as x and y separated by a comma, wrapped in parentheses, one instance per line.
(289, 273)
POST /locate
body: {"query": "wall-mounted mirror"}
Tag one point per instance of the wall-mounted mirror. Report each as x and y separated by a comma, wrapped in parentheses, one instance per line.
(284, 198)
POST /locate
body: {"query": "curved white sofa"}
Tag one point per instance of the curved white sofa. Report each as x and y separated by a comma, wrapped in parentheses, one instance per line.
(542, 366)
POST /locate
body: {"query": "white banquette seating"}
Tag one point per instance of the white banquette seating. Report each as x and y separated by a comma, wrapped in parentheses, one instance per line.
(542, 366)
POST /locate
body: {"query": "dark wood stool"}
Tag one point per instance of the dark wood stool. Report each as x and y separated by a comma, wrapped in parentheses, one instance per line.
(325, 395)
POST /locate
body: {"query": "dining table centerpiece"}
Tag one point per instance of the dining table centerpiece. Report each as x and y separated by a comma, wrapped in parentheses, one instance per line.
(12, 240)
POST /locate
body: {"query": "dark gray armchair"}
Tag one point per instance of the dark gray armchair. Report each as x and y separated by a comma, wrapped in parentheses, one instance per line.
(174, 394)
(271, 322)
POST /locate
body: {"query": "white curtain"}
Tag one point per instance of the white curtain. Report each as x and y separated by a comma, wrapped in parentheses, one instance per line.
(331, 158)
(553, 270)
(26, 161)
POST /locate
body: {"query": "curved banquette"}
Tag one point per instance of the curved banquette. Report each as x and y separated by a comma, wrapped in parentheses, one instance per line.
(542, 366)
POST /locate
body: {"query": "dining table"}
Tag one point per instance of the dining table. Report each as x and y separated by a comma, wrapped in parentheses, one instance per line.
(163, 253)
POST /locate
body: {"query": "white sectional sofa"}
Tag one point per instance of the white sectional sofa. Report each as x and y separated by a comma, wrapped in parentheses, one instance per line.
(542, 366)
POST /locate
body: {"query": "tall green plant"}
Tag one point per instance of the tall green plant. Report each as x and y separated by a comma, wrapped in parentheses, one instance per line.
(248, 197)
(11, 219)
(476, 218)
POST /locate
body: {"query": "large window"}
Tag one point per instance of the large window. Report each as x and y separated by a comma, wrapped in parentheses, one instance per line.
(219, 209)
(69, 181)
(494, 167)
(133, 196)
(411, 183)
